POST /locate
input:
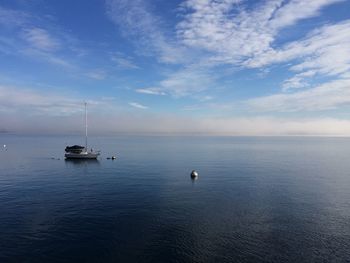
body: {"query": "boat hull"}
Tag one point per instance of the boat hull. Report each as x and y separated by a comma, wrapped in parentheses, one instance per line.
(81, 156)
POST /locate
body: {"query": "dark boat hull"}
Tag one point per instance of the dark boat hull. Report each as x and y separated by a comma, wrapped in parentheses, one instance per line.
(81, 155)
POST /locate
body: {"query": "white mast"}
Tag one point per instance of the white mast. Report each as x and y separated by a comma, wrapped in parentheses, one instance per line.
(86, 149)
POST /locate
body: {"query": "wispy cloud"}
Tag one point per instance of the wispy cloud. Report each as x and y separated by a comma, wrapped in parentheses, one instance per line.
(295, 10)
(29, 110)
(325, 52)
(37, 38)
(48, 57)
(315, 51)
(30, 101)
(136, 21)
(151, 91)
(40, 38)
(298, 81)
(326, 96)
(228, 33)
(97, 74)
(188, 81)
(123, 61)
(13, 18)
(27, 100)
(233, 34)
(245, 38)
(138, 105)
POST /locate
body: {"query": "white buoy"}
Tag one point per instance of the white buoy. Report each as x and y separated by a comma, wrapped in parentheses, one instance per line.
(113, 157)
(194, 174)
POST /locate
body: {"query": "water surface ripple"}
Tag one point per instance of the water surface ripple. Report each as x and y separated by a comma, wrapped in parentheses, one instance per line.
(256, 200)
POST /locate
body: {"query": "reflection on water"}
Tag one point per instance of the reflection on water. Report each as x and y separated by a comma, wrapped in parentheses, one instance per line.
(82, 162)
(255, 200)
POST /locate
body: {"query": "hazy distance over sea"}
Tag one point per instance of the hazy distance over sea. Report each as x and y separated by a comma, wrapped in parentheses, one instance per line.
(257, 199)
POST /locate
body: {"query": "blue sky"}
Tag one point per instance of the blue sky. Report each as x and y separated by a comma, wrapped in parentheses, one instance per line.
(230, 67)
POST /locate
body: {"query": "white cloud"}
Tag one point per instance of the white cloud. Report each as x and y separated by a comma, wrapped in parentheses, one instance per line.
(324, 52)
(12, 18)
(135, 20)
(151, 91)
(38, 38)
(296, 10)
(41, 39)
(233, 34)
(138, 105)
(188, 81)
(15, 99)
(123, 61)
(228, 32)
(32, 102)
(97, 74)
(48, 57)
(315, 50)
(326, 96)
(205, 98)
(298, 81)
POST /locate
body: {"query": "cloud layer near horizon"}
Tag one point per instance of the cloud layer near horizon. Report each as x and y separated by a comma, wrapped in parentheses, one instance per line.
(51, 113)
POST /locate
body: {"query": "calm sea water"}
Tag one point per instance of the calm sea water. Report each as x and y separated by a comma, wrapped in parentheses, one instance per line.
(256, 200)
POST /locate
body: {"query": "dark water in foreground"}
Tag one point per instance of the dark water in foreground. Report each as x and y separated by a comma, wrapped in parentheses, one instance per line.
(256, 200)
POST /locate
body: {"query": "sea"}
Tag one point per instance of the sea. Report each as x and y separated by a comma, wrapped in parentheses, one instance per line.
(256, 199)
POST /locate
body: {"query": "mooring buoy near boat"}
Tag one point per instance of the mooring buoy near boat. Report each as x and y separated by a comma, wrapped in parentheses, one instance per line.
(194, 174)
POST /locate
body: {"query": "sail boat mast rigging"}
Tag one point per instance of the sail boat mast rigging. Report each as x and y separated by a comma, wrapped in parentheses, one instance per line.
(86, 148)
(80, 152)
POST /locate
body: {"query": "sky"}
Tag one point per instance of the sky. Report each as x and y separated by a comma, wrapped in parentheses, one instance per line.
(229, 67)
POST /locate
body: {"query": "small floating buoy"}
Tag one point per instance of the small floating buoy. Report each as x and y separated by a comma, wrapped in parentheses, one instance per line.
(113, 157)
(194, 174)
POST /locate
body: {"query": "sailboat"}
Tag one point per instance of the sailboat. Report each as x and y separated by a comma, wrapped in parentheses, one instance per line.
(81, 152)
